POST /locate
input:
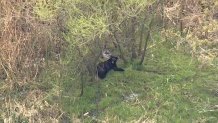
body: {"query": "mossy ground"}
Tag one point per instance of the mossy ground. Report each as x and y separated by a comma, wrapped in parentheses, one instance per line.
(170, 86)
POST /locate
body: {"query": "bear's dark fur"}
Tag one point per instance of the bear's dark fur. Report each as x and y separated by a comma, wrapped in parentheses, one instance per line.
(104, 67)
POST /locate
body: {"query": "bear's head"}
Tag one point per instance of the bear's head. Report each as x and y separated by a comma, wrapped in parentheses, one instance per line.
(113, 59)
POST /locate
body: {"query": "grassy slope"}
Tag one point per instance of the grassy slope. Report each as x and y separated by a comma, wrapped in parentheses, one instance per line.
(170, 85)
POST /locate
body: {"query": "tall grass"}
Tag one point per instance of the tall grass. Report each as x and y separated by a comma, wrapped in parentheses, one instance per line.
(27, 44)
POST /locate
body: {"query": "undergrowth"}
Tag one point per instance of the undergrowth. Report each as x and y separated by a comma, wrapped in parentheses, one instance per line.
(40, 66)
(170, 87)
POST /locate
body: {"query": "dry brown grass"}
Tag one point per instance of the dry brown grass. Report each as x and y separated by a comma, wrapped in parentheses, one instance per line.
(199, 26)
(25, 45)
(23, 41)
(33, 108)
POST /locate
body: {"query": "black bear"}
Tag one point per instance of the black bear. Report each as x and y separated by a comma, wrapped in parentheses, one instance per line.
(104, 67)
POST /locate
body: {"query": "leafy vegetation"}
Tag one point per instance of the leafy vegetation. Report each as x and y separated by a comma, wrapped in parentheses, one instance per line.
(49, 50)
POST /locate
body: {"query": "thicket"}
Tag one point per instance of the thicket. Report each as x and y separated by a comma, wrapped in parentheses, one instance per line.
(47, 40)
(27, 43)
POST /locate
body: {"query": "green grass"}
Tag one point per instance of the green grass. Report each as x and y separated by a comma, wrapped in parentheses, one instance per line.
(170, 86)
